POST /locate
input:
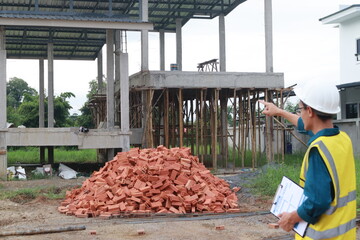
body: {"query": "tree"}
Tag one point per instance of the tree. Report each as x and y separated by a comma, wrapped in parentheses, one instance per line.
(16, 89)
(86, 119)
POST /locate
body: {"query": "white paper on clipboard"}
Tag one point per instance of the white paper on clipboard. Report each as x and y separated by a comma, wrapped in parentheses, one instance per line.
(288, 197)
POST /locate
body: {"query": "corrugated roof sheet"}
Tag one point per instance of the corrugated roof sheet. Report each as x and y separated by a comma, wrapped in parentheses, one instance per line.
(31, 42)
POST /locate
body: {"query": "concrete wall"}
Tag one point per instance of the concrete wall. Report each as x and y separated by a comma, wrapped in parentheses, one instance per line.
(351, 127)
(349, 95)
(349, 66)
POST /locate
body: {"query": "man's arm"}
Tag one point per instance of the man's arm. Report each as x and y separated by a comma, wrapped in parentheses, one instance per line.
(272, 110)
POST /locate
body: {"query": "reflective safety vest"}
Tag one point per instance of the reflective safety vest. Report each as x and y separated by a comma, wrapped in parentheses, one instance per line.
(338, 222)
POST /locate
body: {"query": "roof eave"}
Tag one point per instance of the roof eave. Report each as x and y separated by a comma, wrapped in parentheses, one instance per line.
(343, 15)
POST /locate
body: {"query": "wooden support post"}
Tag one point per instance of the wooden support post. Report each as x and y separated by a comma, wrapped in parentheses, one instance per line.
(243, 128)
(202, 113)
(268, 138)
(234, 130)
(214, 127)
(181, 119)
(197, 124)
(283, 130)
(259, 123)
(166, 118)
(223, 125)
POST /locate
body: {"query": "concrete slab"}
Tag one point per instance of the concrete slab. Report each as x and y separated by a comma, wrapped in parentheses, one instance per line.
(181, 79)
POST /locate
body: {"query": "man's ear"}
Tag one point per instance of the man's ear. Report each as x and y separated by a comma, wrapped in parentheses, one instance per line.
(311, 111)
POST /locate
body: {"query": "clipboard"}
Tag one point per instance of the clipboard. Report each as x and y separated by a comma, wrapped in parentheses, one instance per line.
(288, 197)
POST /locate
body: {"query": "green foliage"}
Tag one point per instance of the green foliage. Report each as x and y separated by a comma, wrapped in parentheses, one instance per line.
(291, 107)
(28, 194)
(32, 155)
(16, 89)
(266, 183)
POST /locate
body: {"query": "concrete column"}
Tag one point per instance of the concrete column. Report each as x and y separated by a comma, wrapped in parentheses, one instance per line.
(268, 36)
(50, 55)
(144, 10)
(117, 55)
(124, 99)
(144, 50)
(3, 116)
(51, 96)
(162, 49)
(222, 49)
(41, 94)
(179, 44)
(144, 16)
(41, 105)
(100, 72)
(110, 98)
(117, 73)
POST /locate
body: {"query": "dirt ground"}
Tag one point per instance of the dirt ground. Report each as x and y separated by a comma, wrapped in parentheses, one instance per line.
(42, 213)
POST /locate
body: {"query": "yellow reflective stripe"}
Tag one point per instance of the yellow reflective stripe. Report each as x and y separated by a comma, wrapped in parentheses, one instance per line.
(333, 232)
(343, 201)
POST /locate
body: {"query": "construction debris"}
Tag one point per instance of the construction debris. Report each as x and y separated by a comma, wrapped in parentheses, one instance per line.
(66, 172)
(148, 181)
(42, 231)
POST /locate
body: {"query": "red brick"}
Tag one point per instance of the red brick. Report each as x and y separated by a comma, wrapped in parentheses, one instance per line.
(220, 227)
(273, 225)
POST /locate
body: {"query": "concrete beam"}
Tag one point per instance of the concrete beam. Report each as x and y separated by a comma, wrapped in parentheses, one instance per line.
(95, 138)
(76, 23)
(177, 79)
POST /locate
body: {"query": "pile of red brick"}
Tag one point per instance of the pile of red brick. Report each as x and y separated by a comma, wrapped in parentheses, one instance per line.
(145, 181)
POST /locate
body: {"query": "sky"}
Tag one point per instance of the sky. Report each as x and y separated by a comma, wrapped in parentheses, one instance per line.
(304, 49)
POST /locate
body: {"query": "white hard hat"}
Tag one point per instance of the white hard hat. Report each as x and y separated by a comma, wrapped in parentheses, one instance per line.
(323, 97)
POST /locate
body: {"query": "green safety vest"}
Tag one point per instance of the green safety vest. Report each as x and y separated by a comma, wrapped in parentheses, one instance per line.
(338, 222)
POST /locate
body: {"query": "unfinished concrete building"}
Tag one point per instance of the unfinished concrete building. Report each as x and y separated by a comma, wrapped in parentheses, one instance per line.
(173, 108)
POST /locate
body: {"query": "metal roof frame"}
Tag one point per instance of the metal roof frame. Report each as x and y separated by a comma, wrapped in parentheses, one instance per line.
(78, 27)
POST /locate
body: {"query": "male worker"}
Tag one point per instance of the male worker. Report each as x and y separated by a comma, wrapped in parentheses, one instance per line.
(328, 169)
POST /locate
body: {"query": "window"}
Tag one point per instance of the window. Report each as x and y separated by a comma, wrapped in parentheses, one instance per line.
(351, 110)
(357, 54)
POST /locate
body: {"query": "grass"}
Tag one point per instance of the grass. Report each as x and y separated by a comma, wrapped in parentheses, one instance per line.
(265, 184)
(29, 194)
(31, 155)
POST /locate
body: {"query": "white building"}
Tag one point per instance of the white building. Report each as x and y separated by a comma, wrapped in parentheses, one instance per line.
(347, 19)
